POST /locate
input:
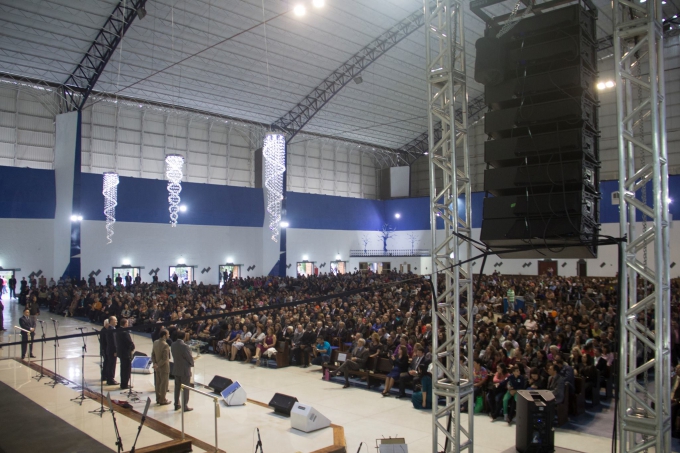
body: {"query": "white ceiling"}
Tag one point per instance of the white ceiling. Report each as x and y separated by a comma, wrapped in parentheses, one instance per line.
(257, 75)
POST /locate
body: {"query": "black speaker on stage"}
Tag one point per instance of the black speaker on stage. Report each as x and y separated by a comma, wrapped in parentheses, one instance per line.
(282, 404)
(219, 383)
(139, 354)
(543, 174)
(535, 414)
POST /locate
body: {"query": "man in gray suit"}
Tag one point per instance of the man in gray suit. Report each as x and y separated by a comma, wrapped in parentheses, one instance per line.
(556, 383)
(183, 360)
(359, 356)
(160, 356)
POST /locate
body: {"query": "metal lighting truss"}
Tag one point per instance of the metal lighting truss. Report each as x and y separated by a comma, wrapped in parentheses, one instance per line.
(447, 89)
(294, 120)
(644, 409)
(82, 80)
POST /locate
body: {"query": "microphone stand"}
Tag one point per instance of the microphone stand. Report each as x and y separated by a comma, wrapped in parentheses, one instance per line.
(119, 441)
(42, 352)
(101, 409)
(139, 430)
(82, 397)
(55, 379)
(132, 396)
(259, 442)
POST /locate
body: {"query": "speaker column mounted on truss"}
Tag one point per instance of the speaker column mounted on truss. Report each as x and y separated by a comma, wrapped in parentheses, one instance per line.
(448, 153)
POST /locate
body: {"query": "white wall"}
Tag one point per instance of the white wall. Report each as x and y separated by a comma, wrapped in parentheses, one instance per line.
(27, 244)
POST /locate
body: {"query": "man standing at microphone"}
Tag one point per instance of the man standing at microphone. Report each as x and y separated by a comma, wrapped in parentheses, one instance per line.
(26, 323)
(124, 350)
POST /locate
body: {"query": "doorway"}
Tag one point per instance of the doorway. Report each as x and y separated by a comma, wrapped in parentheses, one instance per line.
(185, 274)
(305, 268)
(229, 271)
(123, 271)
(5, 275)
(582, 268)
(339, 267)
(405, 268)
(548, 268)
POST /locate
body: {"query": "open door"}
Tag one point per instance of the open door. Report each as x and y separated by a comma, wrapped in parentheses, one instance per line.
(548, 268)
(123, 271)
(185, 274)
(339, 267)
(305, 267)
(229, 271)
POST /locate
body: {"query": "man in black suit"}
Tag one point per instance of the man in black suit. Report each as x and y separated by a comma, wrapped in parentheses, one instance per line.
(26, 323)
(124, 350)
(357, 362)
(102, 349)
(306, 343)
(110, 357)
(128, 280)
(556, 383)
(412, 374)
(12, 287)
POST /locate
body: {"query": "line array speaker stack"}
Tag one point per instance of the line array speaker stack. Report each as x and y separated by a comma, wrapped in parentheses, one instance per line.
(542, 152)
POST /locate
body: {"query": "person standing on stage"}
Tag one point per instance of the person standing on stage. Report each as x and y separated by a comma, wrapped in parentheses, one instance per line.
(181, 354)
(26, 323)
(110, 357)
(102, 348)
(124, 351)
(160, 357)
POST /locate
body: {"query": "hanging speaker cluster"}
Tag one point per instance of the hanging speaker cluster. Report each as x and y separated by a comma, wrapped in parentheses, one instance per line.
(543, 142)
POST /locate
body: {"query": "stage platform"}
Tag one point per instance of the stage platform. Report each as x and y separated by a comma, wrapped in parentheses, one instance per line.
(359, 415)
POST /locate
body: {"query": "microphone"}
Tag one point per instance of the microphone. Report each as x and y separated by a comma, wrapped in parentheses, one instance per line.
(40, 321)
(359, 449)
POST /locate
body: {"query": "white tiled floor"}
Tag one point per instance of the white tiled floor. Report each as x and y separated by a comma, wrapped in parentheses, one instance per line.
(365, 415)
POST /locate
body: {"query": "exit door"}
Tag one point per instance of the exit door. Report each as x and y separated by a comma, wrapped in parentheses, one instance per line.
(5, 275)
(231, 270)
(123, 271)
(185, 274)
(548, 268)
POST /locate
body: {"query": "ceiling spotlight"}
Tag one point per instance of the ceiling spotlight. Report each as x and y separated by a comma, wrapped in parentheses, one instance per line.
(397, 215)
(183, 208)
(299, 10)
(609, 84)
(284, 224)
(601, 86)
(358, 79)
(318, 3)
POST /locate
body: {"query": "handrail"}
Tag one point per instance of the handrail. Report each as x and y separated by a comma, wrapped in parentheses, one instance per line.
(388, 253)
(216, 401)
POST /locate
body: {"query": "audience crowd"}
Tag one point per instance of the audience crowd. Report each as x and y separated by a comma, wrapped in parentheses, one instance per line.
(537, 332)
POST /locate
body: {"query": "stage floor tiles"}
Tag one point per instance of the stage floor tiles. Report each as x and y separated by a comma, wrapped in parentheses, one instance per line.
(364, 415)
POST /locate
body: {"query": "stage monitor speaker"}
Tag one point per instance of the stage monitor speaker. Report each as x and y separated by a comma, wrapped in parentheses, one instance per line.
(531, 149)
(282, 404)
(219, 383)
(557, 176)
(234, 395)
(489, 61)
(139, 354)
(306, 418)
(534, 429)
(142, 365)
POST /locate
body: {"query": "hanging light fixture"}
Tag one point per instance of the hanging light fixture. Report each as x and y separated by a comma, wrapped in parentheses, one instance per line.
(110, 192)
(274, 153)
(174, 164)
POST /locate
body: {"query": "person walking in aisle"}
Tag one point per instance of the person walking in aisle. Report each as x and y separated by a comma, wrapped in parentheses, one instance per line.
(160, 357)
(181, 354)
(124, 350)
(27, 323)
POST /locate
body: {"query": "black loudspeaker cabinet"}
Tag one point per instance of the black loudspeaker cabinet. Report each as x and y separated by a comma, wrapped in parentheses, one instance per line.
(139, 354)
(535, 414)
(219, 383)
(282, 404)
(557, 176)
(578, 203)
(568, 144)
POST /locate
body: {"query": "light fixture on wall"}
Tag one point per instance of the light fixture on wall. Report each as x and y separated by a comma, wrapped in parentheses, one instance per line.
(284, 224)
(274, 154)
(110, 192)
(174, 164)
(183, 208)
(397, 216)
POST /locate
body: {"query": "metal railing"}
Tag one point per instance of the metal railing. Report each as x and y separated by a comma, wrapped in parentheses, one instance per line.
(405, 252)
(216, 401)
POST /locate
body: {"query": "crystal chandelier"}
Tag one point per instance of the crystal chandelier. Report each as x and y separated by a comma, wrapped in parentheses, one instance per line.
(173, 171)
(110, 192)
(274, 153)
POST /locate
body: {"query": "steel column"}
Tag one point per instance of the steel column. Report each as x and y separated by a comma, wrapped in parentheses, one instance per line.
(644, 409)
(451, 202)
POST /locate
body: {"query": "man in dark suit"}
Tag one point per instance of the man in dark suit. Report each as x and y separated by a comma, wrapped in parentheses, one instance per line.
(357, 362)
(183, 362)
(103, 334)
(556, 383)
(124, 350)
(306, 343)
(412, 374)
(12, 287)
(110, 357)
(26, 323)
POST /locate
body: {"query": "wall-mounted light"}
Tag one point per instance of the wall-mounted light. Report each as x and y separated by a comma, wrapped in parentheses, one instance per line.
(305, 258)
(230, 260)
(397, 216)
(337, 257)
(76, 218)
(181, 261)
(183, 208)
(126, 262)
(606, 84)
(284, 224)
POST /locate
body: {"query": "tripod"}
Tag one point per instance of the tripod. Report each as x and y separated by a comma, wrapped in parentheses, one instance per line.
(259, 442)
(42, 352)
(79, 399)
(55, 379)
(101, 409)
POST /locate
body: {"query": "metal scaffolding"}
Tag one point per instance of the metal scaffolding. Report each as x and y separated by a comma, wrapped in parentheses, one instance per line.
(644, 405)
(450, 203)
